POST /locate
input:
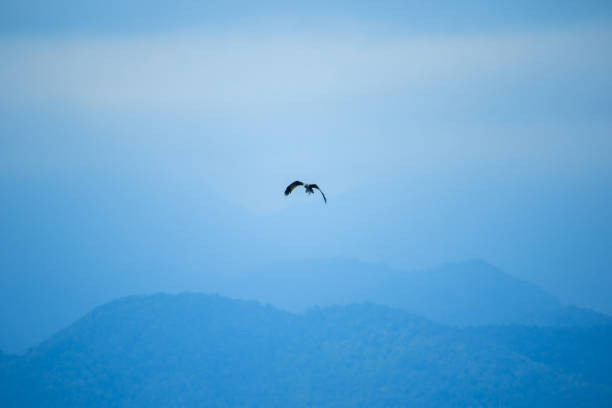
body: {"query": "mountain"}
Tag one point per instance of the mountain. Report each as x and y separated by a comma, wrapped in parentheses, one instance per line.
(466, 293)
(206, 350)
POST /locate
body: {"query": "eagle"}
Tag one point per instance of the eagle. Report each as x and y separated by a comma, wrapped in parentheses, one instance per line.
(308, 187)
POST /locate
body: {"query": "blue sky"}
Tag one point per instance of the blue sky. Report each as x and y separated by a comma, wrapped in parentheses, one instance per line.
(439, 133)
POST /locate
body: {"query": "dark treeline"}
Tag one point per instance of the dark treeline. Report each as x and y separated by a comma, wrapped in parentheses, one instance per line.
(202, 350)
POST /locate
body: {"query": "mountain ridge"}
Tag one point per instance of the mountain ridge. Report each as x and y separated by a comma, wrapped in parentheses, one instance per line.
(462, 293)
(194, 349)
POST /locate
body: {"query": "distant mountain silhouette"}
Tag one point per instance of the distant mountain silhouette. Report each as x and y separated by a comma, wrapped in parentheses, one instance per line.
(467, 293)
(195, 350)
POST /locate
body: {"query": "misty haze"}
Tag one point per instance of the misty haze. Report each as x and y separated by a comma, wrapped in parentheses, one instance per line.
(456, 250)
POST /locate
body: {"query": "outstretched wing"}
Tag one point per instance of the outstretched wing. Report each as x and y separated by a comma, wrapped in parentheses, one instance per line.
(291, 186)
(317, 187)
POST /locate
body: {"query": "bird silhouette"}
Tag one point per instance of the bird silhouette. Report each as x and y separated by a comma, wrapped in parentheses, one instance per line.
(309, 188)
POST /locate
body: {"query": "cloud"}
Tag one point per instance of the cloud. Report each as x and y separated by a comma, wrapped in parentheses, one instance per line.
(237, 72)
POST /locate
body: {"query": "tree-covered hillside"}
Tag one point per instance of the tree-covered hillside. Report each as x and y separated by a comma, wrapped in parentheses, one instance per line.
(200, 350)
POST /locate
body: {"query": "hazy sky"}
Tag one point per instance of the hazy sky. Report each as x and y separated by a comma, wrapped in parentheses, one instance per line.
(439, 133)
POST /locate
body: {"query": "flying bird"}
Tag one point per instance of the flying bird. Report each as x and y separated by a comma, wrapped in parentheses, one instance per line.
(308, 187)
